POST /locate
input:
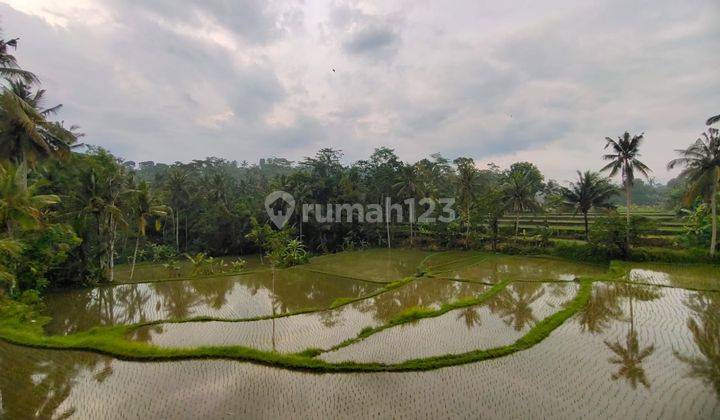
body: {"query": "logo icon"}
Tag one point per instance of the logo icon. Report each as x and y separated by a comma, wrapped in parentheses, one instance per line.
(279, 216)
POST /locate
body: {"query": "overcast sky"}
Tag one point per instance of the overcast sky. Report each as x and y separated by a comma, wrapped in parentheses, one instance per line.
(502, 81)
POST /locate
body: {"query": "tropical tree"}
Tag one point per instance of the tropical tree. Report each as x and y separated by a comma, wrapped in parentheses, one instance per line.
(9, 249)
(146, 206)
(26, 135)
(467, 184)
(177, 185)
(701, 162)
(9, 68)
(712, 120)
(408, 186)
(590, 191)
(20, 204)
(624, 160)
(520, 193)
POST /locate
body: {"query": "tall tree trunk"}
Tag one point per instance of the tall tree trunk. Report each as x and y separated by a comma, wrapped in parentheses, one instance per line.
(111, 256)
(467, 228)
(628, 195)
(517, 224)
(387, 221)
(713, 204)
(587, 230)
(177, 231)
(132, 269)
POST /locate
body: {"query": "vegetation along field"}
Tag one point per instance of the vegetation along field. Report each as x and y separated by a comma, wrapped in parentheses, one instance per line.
(171, 290)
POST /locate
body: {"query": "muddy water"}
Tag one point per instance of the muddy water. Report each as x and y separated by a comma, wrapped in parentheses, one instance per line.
(500, 321)
(230, 297)
(640, 353)
(634, 352)
(494, 268)
(384, 265)
(317, 330)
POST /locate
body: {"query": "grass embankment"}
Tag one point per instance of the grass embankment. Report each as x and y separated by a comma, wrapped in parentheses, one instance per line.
(414, 314)
(337, 303)
(19, 324)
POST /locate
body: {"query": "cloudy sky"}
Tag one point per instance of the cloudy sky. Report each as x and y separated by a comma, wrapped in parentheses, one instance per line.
(498, 81)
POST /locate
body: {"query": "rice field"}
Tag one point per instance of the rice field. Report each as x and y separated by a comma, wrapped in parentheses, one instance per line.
(667, 225)
(645, 345)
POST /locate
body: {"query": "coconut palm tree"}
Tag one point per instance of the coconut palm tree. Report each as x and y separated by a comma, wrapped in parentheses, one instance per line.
(712, 120)
(624, 160)
(520, 195)
(26, 135)
(590, 191)
(467, 184)
(20, 205)
(146, 206)
(701, 162)
(9, 68)
(408, 186)
(177, 185)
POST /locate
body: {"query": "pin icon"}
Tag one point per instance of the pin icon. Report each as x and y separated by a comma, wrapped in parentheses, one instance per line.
(280, 217)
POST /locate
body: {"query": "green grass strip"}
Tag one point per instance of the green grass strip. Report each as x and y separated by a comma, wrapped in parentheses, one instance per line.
(337, 303)
(416, 313)
(111, 341)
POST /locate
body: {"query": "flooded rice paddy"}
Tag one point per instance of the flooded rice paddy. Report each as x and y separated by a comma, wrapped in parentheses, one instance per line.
(646, 345)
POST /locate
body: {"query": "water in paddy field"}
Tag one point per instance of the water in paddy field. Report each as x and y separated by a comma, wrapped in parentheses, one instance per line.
(646, 347)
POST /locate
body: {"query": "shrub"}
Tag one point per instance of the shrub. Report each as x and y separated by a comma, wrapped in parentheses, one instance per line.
(609, 233)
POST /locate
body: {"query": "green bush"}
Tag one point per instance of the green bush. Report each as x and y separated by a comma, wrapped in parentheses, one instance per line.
(609, 233)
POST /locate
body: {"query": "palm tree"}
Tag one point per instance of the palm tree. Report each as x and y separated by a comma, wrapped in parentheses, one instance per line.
(702, 167)
(408, 187)
(624, 160)
(519, 195)
(9, 68)
(712, 120)
(177, 185)
(590, 191)
(19, 203)
(26, 135)
(467, 183)
(146, 206)
(100, 197)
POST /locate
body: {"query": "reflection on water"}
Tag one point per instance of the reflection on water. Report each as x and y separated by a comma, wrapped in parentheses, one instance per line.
(695, 276)
(319, 330)
(704, 324)
(501, 320)
(36, 383)
(384, 265)
(227, 297)
(495, 268)
(606, 307)
(570, 374)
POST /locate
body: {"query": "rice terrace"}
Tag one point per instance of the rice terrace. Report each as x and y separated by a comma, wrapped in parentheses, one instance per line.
(355, 209)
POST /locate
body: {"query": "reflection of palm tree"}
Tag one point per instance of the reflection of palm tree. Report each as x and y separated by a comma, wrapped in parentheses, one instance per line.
(600, 310)
(516, 308)
(631, 356)
(471, 316)
(706, 334)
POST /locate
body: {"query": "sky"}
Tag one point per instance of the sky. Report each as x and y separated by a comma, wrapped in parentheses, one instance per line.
(498, 81)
